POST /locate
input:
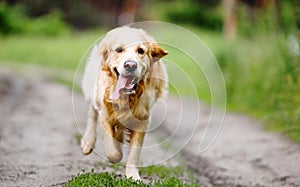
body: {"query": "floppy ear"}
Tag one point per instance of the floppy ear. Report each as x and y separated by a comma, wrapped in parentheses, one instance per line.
(104, 54)
(103, 51)
(104, 63)
(157, 52)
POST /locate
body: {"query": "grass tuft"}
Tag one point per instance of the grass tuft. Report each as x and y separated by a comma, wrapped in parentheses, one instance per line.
(110, 180)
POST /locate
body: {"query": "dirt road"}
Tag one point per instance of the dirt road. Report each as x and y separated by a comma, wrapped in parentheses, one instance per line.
(37, 140)
(38, 145)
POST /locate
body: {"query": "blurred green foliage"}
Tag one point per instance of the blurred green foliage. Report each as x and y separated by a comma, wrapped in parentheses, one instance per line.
(194, 12)
(283, 16)
(80, 14)
(14, 20)
(260, 67)
(203, 13)
(290, 15)
(263, 78)
(10, 19)
(262, 21)
(269, 19)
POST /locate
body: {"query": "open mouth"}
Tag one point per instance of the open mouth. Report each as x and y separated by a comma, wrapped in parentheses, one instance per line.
(131, 84)
(126, 84)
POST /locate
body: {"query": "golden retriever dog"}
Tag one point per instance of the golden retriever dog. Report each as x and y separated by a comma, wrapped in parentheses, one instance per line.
(123, 77)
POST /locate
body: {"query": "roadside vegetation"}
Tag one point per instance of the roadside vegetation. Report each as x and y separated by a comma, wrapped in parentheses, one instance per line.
(260, 65)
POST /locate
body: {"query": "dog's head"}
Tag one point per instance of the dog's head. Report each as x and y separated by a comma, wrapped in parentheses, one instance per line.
(129, 54)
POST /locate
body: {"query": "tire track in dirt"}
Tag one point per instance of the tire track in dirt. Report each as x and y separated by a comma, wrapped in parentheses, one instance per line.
(11, 95)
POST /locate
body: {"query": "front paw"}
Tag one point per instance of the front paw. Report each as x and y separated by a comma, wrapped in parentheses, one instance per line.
(132, 172)
(87, 146)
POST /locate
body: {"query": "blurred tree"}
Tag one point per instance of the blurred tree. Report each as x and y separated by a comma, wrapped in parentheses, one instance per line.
(229, 25)
(252, 16)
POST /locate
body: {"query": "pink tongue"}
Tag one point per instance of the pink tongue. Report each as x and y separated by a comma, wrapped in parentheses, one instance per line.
(120, 84)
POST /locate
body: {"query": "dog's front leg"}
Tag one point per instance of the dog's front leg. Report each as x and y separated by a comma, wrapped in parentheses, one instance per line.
(89, 138)
(136, 142)
(111, 143)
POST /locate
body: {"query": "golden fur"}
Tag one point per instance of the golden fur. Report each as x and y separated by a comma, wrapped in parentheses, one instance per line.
(129, 112)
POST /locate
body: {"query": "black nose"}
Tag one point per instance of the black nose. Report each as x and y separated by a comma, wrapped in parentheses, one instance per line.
(130, 65)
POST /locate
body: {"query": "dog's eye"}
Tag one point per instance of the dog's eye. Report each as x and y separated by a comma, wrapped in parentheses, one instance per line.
(119, 50)
(140, 51)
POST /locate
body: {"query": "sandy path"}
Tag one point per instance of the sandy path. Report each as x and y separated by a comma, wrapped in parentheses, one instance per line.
(38, 145)
(37, 134)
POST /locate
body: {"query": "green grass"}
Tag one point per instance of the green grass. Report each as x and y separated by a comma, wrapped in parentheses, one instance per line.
(57, 57)
(110, 180)
(63, 51)
(262, 79)
(156, 175)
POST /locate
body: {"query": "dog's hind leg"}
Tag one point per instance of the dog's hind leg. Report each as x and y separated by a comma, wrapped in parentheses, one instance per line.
(89, 138)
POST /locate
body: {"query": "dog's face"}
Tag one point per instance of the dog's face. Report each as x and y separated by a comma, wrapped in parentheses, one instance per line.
(129, 56)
